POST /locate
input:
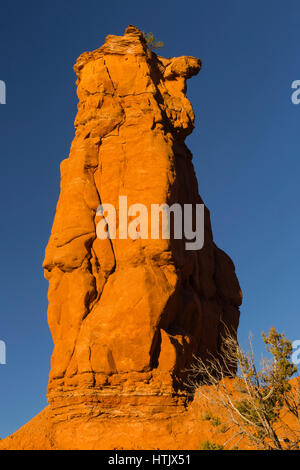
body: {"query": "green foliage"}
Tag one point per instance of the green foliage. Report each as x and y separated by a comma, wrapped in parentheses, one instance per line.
(267, 408)
(207, 445)
(266, 389)
(269, 385)
(283, 369)
(207, 416)
(215, 420)
(151, 41)
(223, 429)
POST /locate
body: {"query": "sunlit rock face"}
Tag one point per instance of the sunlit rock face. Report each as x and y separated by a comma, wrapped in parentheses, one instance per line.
(126, 315)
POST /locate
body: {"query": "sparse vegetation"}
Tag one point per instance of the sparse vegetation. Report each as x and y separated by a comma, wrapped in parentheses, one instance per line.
(207, 416)
(223, 428)
(262, 407)
(215, 420)
(151, 41)
(207, 445)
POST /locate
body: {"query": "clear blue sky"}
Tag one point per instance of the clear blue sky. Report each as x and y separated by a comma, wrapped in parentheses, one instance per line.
(246, 153)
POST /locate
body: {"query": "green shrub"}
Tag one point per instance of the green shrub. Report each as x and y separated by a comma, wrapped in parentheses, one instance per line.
(207, 445)
(207, 416)
(152, 43)
(215, 421)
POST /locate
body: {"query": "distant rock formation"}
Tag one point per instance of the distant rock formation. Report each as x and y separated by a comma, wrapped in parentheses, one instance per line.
(127, 315)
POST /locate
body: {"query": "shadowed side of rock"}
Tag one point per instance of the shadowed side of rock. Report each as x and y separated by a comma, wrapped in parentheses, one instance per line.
(128, 315)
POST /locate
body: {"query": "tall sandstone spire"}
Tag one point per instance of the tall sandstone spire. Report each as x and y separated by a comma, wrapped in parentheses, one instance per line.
(127, 316)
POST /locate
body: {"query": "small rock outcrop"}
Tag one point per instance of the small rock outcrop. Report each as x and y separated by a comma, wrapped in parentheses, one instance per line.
(127, 315)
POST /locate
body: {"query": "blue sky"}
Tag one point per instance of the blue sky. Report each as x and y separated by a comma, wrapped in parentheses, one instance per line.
(246, 154)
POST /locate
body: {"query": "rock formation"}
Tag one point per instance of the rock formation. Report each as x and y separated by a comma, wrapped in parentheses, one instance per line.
(128, 315)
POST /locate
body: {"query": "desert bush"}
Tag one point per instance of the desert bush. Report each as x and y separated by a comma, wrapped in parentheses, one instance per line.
(207, 445)
(151, 41)
(264, 406)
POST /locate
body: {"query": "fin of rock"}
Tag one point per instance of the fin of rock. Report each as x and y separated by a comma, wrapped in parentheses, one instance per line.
(127, 315)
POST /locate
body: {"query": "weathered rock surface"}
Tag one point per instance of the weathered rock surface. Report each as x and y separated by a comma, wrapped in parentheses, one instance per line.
(127, 315)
